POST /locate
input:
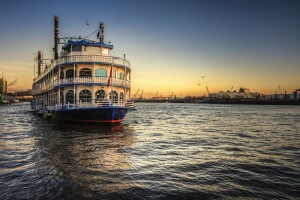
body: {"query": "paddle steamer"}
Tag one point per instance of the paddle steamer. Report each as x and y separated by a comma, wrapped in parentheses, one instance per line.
(83, 82)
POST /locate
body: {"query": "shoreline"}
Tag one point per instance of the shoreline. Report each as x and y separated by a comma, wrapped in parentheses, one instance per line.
(230, 101)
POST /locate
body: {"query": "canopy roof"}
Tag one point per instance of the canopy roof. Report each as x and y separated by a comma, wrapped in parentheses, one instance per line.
(86, 43)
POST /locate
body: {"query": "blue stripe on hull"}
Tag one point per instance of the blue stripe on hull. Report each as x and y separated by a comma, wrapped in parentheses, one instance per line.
(109, 114)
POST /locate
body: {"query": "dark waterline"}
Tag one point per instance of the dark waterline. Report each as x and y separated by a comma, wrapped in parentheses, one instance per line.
(161, 151)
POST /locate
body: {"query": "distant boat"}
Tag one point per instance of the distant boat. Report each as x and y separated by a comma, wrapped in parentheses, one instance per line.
(202, 101)
(83, 83)
(5, 101)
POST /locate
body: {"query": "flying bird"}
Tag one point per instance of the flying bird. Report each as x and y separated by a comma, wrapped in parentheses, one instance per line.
(199, 84)
(203, 76)
(87, 22)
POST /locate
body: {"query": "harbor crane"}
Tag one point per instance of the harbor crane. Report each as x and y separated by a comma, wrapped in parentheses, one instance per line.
(280, 89)
(171, 95)
(156, 94)
(136, 93)
(207, 90)
(142, 94)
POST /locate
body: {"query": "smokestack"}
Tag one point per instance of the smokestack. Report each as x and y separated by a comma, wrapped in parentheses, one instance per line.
(56, 39)
(101, 30)
(40, 58)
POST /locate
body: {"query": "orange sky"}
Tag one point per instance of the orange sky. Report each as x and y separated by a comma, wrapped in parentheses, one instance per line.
(249, 44)
(161, 77)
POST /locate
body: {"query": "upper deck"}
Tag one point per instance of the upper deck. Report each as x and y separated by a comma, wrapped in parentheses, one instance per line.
(82, 51)
(89, 58)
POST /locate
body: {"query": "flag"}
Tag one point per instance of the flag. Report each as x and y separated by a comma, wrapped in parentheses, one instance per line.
(98, 34)
(110, 75)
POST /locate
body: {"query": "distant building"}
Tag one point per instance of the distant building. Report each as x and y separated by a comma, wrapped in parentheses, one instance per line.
(244, 90)
(3, 85)
(296, 94)
(280, 96)
(24, 93)
(243, 93)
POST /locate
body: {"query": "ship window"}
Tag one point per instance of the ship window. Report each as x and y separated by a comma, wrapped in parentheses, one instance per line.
(70, 96)
(70, 73)
(100, 95)
(122, 96)
(62, 75)
(85, 96)
(101, 72)
(85, 72)
(115, 95)
(92, 49)
(105, 51)
(62, 97)
(122, 76)
(115, 73)
(77, 48)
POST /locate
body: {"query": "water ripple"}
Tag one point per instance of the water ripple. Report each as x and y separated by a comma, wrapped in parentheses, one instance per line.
(161, 151)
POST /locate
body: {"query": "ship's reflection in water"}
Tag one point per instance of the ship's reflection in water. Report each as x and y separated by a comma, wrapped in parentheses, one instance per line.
(84, 161)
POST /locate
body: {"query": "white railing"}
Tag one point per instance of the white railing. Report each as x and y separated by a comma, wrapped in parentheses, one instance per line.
(82, 80)
(93, 104)
(83, 58)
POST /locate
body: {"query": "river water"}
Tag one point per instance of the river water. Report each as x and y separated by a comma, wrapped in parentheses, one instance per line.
(160, 151)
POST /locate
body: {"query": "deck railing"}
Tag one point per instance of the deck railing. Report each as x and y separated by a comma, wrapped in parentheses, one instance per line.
(83, 58)
(82, 80)
(94, 104)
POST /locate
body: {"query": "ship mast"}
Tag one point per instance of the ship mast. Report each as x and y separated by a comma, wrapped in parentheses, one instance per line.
(56, 39)
(110, 78)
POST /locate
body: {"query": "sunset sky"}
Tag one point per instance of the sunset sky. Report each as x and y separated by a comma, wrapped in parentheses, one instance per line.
(170, 44)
